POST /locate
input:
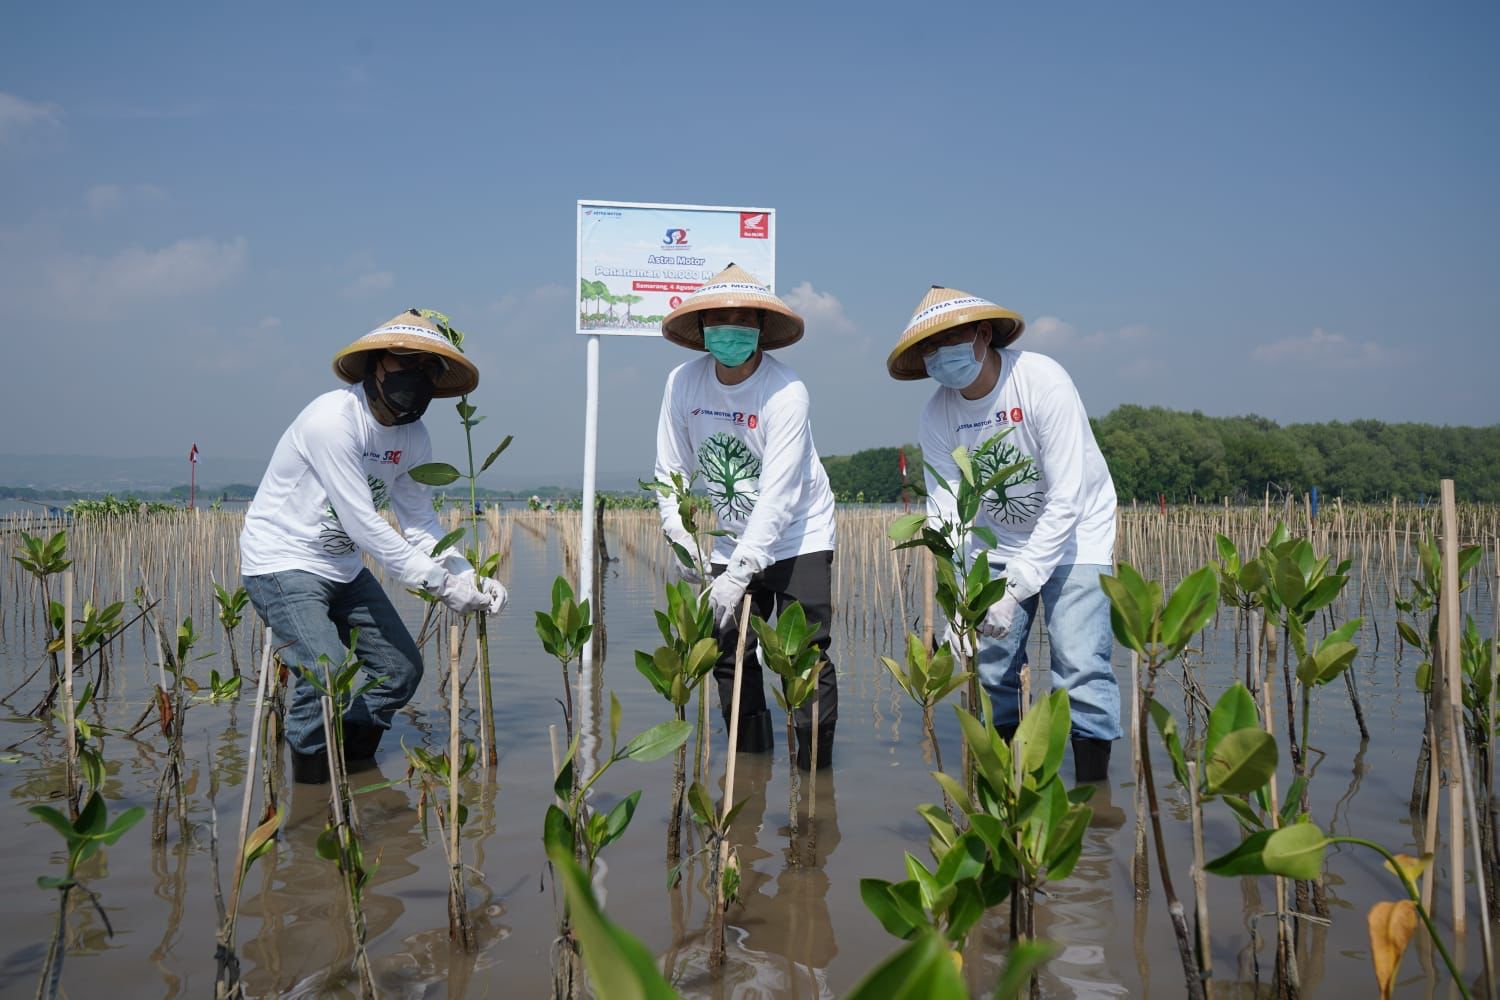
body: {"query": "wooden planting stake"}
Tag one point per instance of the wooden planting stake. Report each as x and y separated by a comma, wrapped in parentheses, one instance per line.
(1200, 882)
(67, 678)
(1467, 780)
(716, 955)
(1452, 667)
(253, 756)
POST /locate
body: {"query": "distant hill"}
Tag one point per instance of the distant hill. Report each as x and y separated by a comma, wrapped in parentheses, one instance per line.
(117, 474)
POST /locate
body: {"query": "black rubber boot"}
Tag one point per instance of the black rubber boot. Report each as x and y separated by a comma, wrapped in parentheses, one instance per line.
(804, 748)
(310, 768)
(361, 739)
(1090, 759)
(756, 735)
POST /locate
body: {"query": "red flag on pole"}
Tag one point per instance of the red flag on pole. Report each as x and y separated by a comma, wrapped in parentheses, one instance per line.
(193, 455)
(901, 461)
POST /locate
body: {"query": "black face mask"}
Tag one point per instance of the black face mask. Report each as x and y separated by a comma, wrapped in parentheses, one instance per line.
(405, 393)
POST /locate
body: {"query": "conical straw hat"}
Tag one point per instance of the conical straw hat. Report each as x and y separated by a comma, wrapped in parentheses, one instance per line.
(413, 330)
(943, 309)
(733, 288)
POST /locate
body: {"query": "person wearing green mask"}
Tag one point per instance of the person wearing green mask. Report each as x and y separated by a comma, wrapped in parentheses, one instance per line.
(739, 419)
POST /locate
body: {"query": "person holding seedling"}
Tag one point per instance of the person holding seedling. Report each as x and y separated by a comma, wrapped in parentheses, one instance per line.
(1048, 527)
(317, 511)
(740, 418)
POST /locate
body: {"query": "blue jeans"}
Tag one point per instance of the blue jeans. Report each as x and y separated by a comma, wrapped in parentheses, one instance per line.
(1081, 641)
(311, 616)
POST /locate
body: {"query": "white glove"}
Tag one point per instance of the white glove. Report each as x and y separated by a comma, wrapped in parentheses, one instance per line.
(724, 597)
(998, 619)
(956, 639)
(493, 590)
(459, 593)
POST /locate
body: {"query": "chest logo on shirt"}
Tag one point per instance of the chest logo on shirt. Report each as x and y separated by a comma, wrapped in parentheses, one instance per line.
(1014, 500)
(737, 417)
(391, 457)
(732, 474)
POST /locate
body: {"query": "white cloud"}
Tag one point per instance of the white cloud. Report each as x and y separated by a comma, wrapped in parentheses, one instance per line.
(1048, 333)
(369, 283)
(823, 311)
(104, 198)
(17, 115)
(1321, 349)
(90, 285)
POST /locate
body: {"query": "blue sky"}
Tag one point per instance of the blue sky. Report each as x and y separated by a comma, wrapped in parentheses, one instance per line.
(1282, 209)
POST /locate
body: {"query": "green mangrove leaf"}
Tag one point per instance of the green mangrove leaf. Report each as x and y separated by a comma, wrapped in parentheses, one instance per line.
(658, 741)
(434, 474)
(1246, 859)
(1296, 851)
(1241, 762)
(1234, 710)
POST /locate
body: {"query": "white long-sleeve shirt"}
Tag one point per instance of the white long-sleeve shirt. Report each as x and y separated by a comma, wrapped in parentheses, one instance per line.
(1060, 510)
(317, 506)
(753, 445)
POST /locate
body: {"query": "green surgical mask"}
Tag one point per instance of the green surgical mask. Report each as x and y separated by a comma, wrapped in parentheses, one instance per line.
(731, 345)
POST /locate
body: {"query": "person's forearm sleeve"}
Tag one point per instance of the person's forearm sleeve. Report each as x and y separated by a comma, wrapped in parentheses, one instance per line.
(1061, 428)
(333, 455)
(783, 474)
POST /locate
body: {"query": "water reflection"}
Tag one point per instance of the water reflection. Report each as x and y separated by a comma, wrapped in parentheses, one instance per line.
(304, 945)
(781, 936)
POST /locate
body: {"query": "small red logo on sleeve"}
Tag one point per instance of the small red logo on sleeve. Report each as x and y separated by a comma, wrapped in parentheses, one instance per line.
(1015, 415)
(754, 420)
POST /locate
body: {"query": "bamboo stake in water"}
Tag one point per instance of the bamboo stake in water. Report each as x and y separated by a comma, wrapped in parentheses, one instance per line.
(1200, 884)
(1286, 951)
(1466, 778)
(1141, 866)
(1452, 667)
(261, 686)
(72, 770)
(716, 954)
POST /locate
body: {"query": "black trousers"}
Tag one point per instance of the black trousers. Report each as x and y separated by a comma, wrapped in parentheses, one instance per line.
(808, 580)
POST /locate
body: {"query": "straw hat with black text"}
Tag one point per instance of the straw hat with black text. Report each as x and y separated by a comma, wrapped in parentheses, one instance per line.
(733, 288)
(943, 309)
(423, 331)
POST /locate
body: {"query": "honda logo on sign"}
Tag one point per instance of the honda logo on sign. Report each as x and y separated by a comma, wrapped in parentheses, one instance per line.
(753, 226)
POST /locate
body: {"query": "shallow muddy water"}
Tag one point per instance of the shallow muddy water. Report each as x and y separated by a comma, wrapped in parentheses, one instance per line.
(800, 929)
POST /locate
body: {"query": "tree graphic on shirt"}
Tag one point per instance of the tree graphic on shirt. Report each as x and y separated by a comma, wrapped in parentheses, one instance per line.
(731, 473)
(335, 540)
(1015, 500)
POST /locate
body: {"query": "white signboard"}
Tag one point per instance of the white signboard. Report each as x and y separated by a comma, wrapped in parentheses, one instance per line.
(636, 263)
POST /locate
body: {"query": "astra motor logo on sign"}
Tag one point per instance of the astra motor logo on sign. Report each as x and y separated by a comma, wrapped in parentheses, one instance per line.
(638, 262)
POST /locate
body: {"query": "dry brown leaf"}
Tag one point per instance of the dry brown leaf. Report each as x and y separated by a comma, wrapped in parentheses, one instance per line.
(1391, 928)
(1413, 867)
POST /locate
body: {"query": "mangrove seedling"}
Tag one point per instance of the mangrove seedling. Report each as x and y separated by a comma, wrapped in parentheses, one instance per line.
(723, 862)
(43, 560)
(340, 841)
(675, 670)
(573, 828)
(565, 633)
(442, 474)
(83, 837)
(789, 652)
(927, 678)
(231, 613)
(1159, 631)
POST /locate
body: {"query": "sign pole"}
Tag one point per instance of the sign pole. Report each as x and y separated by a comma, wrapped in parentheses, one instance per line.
(587, 545)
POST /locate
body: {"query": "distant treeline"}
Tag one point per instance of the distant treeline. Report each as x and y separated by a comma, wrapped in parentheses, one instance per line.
(1153, 451)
